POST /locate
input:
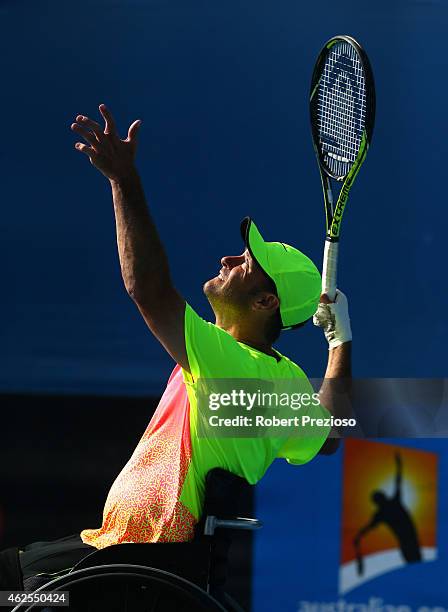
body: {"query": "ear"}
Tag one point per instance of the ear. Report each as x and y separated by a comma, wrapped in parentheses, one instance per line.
(265, 301)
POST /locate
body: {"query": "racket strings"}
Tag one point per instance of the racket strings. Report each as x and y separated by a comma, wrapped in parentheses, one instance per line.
(341, 108)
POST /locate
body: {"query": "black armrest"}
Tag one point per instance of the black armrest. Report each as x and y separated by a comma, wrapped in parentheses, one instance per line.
(212, 523)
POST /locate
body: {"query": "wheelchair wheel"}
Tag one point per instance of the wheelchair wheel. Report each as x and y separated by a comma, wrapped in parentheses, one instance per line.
(126, 588)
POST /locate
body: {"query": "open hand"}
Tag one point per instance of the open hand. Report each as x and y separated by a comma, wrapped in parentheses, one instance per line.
(107, 152)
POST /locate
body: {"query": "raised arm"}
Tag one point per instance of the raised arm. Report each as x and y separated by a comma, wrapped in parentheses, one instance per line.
(334, 394)
(362, 532)
(143, 261)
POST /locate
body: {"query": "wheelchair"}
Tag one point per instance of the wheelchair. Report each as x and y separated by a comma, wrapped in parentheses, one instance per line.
(160, 577)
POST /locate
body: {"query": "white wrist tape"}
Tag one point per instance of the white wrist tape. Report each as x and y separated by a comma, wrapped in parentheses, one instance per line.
(334, 320)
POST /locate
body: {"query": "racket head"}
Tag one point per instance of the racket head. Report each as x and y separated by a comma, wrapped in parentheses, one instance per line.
(342, 105)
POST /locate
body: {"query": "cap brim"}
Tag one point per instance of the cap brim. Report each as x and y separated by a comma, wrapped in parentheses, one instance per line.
(255, 244)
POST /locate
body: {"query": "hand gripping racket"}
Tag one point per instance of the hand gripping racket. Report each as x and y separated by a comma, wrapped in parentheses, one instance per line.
(342, 110)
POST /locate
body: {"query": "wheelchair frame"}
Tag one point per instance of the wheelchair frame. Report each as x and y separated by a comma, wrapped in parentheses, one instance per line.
(194, 582)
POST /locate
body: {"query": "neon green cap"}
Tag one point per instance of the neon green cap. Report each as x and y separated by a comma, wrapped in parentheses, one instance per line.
(295, 276)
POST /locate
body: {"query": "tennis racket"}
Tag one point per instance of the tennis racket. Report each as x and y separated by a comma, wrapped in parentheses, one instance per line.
(342, 111)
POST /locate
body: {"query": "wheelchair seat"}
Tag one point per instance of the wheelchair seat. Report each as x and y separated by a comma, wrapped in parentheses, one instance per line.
(188, 559)
(160, 576)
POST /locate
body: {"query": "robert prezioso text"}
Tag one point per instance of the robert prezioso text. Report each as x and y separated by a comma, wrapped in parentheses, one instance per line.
(274, 421)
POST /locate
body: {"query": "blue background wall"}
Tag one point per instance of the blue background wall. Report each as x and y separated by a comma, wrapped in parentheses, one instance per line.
(222, 90)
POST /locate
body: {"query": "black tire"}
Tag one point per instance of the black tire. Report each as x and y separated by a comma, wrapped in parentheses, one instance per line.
(122, 588)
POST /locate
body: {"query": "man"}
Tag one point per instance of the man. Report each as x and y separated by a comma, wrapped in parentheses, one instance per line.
(392, 512)
(157, 496)
(159, 493)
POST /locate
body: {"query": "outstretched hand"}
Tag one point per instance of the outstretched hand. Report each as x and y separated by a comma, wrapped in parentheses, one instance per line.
(112, 156)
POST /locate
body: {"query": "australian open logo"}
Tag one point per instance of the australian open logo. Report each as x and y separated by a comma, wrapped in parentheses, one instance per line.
(389, 510)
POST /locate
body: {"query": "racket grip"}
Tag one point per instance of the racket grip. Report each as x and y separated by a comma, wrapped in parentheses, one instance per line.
(329, 269)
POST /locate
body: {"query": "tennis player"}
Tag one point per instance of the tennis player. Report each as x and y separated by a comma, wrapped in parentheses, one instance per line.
(271, 286)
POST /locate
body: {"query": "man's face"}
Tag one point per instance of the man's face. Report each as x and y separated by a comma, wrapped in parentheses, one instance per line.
(239, 279)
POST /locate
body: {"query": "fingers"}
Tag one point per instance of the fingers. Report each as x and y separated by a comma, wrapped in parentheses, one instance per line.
(339, 297)
(84, 124)
(133, 131)
(91, 125)
(324, 299)
(109, 120)
(86, 150)
(86, 134)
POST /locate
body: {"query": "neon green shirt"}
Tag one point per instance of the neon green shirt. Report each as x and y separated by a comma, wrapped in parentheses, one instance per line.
(158, 495)
(212, 354)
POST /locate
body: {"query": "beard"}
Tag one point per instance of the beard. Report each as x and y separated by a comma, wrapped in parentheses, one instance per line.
(225, 299)
(212, 286)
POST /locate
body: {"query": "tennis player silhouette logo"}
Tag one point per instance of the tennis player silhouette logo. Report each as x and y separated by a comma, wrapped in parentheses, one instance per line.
(389, 511)
(392, 512)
